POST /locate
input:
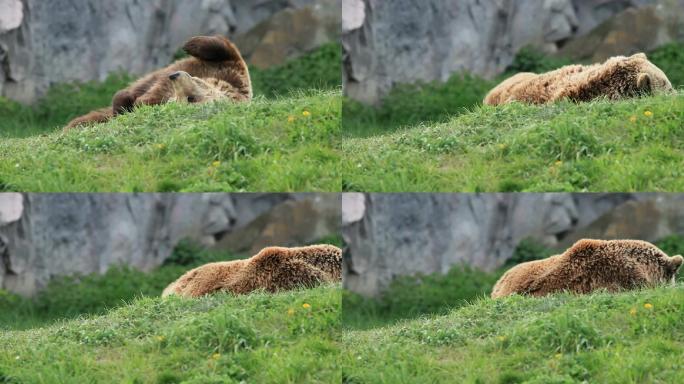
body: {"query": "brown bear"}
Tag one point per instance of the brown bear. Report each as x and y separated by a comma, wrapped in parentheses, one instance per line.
(619, 77)
(589, 265)
(215, 70)
(272, 269)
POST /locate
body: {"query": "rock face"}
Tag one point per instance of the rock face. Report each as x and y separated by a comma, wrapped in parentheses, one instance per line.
(47, 235)
(48, 42)
(404, 234)
(404, 41)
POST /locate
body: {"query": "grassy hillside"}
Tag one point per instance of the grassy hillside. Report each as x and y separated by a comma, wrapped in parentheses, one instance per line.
(445, 329)
(115, 328)
(631, 145)
(633, 337)
(290, 337)
(283, 144)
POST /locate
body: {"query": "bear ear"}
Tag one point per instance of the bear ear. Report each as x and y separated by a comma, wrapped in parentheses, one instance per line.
(676, 262)
(644, 81)
(640, 55)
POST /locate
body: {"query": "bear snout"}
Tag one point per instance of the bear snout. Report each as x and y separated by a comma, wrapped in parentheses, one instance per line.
(174, 75)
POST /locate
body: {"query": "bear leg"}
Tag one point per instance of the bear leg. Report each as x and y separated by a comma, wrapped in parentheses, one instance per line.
(212, 48)
(123, 102)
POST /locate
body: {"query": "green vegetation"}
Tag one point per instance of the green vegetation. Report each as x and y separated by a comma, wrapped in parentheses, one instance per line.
(630, 145)
(257, 338)
(320, 69)
(452, 332)
(115, 328)
(632, 337)
(71, 296)
(62, 103)
(266, 145)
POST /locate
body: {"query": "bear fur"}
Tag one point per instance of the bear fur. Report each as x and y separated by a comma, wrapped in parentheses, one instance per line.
(619, 77)
(590, 265)
(215, 70)
(272, 269)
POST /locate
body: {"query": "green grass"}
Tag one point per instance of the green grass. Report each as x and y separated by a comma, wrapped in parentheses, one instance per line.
(557, 147)
(265, 145)
(257, 338)
(445, 329)
(555, 339)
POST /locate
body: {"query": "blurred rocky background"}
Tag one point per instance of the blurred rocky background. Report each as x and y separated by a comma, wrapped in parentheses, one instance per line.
(43, 43)
(392, 235)
(403, 41)
(43, 236)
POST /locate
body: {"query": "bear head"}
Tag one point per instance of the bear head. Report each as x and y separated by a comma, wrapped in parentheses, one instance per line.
(649, 79)
(189, 89)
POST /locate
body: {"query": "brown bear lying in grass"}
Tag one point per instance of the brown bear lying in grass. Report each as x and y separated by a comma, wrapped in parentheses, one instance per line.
(214, 71)
(590, 265)
(619, 77)
(272, 269)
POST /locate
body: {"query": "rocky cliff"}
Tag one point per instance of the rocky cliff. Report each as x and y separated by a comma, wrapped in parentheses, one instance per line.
(47, 235)
(405, 41)
(389, 235)
(48, 42)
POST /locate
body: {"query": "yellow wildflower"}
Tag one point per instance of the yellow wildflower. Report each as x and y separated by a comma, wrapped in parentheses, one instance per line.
(290, 311)
(216, 356)
(160, 146)
(290, 119)
(633, 311)
(306, 113)
(558, 163)
(633, 119)
(216, 163)
(558, 355)
(502, 338)
(306, 305)
(160, 338)
(648, 113)
(648, 306)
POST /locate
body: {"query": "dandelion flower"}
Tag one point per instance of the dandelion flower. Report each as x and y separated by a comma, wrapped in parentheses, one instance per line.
(306, 113)
(502, 338)
(290, 119)
(633, 311)
(160, 146)
(648, 113)
(216, 356)
(558, 163)
(306, 305)
(290, 311)
(558, 355)
(633, 119)
(648, 306)
(216, 163)
(160, 338)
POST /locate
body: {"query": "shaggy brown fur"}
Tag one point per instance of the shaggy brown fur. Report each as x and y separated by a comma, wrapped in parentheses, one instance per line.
(589, 265)
(619, 77)
(272, 269)
(215, 70)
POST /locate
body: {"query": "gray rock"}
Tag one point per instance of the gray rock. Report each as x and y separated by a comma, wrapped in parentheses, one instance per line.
(78, 40)
(405, 234)
(63, 234)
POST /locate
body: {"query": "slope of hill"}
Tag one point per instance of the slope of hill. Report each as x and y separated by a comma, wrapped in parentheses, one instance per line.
(630, 145)
(289, 337)
(632, 337)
